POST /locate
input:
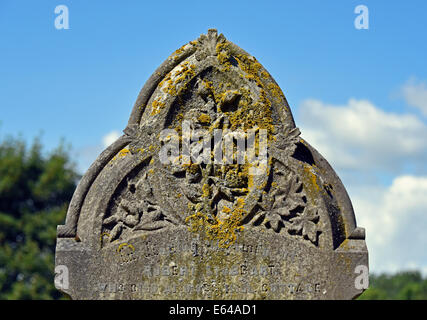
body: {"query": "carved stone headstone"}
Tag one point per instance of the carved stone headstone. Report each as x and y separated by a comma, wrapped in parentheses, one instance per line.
(211, 193)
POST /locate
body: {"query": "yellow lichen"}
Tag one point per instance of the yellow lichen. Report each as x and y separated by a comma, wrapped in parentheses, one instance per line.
(179, 78)
(156, 106)
(226, 210)
(275, 91)
(265, 74)
(311, 186)
(204, 118)
(223, 55)
(122, 153)
(223, 231)
(177, 53)
(206, 190)
(312, 178)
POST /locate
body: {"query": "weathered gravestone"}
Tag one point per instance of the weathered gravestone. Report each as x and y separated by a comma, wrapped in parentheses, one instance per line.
(211, 193)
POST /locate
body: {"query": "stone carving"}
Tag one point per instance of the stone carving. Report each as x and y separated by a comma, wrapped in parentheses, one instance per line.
(285, 207)
(137, 209)
(213, 192)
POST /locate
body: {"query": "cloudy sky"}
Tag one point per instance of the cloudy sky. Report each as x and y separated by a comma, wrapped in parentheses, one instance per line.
(358, 96)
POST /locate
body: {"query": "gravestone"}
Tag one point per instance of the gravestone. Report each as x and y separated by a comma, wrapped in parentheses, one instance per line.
(211, 193)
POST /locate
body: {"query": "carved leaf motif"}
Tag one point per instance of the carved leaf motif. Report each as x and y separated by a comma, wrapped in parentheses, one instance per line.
(281, 203)
(288, 142)
(207, 44)
(116, 231)
(152, 218)
(285, 203)
(133, 214)
(306, 224)
(274, 220)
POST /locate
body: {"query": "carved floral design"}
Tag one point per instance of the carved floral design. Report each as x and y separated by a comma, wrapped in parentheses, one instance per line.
(305, 224)
(208, 44)
(285, 207)
(221, 193)
(137, 212)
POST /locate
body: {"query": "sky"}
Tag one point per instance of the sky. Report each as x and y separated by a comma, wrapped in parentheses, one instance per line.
(359, 96)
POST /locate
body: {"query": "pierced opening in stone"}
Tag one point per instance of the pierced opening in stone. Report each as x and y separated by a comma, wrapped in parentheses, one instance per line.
(302, 153)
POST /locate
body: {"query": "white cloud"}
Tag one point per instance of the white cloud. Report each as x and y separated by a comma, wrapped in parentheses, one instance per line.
(110, 137)
(360, 136)
(361, 140)
(395, 219)
(87, 155)
(415, 94)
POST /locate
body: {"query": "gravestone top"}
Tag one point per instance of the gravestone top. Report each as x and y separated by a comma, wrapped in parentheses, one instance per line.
(211, 193)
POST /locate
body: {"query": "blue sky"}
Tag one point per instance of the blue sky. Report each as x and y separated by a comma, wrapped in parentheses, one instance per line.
(359, 96)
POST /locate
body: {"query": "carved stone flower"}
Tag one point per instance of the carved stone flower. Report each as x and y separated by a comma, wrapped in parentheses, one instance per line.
(281, 204)
(127, 216)
(306, 224)
(152, 217)
(273, 220)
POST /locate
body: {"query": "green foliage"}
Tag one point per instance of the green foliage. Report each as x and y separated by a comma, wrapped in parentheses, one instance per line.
(409, 285)
(34, 194)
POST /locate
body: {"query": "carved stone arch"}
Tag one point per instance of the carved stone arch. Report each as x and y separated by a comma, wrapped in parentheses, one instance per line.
(204, 52)
(294, 216)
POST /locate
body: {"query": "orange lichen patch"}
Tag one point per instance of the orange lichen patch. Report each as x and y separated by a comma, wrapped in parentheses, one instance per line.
(156, 106)
(223, 55)
(176, 81)
(208, 85)
(309, 179)
(204, 118)
(176, 54)
(206, 190)
(312, 177)
(226, 210)
(276, 92)
(251, 66)
(121, 154)
(251, 114)
(253, 69)
(265, 74)
(224, 231)
(235, 174)
(166, 79)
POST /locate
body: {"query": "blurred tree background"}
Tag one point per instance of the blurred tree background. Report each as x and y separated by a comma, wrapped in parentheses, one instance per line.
(35, 190)
(34, 194)
(409, 285)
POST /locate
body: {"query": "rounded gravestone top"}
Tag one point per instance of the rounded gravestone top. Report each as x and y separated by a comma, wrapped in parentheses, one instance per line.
(211, 193)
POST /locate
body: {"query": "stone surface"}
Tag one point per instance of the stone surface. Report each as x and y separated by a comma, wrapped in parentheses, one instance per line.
(140, 228)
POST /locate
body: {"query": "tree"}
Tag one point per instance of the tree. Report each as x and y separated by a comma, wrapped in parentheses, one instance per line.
(408, 285)
(34, 194)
